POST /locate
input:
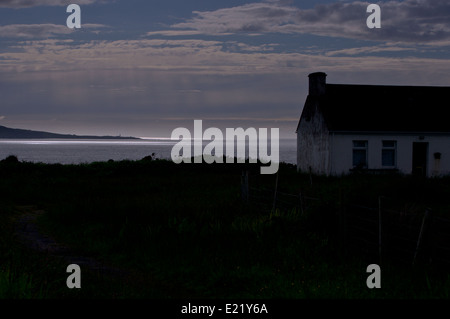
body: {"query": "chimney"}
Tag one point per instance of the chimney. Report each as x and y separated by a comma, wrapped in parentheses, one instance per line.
(317, 82)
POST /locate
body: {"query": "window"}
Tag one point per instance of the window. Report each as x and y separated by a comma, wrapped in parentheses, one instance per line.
(360, 154)
(388, 153)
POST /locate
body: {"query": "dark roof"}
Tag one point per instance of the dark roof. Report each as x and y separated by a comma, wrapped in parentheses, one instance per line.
(373, 108)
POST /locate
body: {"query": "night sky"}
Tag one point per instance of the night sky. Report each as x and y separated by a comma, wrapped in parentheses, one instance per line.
(144, 68)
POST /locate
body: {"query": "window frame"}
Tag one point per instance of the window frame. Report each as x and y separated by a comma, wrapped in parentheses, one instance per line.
(390, 149)
(364, 148)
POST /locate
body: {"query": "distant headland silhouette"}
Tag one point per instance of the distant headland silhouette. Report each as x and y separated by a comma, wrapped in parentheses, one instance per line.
(15, 133)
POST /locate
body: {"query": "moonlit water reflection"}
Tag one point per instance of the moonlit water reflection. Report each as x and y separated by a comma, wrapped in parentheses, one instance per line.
(86, 151)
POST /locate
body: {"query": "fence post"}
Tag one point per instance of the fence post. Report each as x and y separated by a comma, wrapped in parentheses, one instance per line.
(379, 228)
(275, 194)
(301, 202)
(342, 220)
(310, 176)
(244, 186)
(419, 240)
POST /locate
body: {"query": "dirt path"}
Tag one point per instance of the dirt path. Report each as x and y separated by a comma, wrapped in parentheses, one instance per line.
(29, 234)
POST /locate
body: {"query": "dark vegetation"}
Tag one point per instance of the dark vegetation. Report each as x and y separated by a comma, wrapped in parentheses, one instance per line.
(184, 231)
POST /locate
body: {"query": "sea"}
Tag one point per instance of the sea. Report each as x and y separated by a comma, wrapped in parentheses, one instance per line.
(67, 151)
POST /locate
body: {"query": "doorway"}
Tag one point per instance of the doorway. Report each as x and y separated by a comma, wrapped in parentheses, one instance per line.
(419, 160)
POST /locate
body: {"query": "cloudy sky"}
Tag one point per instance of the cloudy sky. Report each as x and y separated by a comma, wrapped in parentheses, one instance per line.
(146, 67)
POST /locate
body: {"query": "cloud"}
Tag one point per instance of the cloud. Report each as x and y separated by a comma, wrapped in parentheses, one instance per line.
(405, 21)
(369, 50)
(254, 18)
(174, 33)
(34, 3)
(32, 30)
(196, 56)
(38, 31)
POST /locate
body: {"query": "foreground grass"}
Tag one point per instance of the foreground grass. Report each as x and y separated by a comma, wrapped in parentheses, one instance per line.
(185, 232)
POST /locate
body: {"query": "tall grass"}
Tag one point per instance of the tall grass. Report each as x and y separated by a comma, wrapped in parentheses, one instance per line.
(186, 232)
(17, 286)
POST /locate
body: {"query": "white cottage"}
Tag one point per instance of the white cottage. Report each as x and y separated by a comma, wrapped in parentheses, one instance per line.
(374, 128)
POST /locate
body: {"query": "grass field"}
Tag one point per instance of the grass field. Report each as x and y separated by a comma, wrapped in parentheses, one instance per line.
(183, 231)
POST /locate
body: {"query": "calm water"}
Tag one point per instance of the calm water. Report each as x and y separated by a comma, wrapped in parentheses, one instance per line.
(87, 151)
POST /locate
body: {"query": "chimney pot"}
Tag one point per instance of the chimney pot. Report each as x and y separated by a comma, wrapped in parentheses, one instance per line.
(317, 83)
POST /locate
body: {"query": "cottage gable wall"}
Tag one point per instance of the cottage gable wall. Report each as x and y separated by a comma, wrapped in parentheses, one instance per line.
(313, 142)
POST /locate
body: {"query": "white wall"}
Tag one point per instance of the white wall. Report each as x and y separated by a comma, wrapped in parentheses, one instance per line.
(313, 144)
(342, 146)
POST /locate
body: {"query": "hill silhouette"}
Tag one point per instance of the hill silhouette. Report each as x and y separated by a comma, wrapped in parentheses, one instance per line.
(15, 133)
